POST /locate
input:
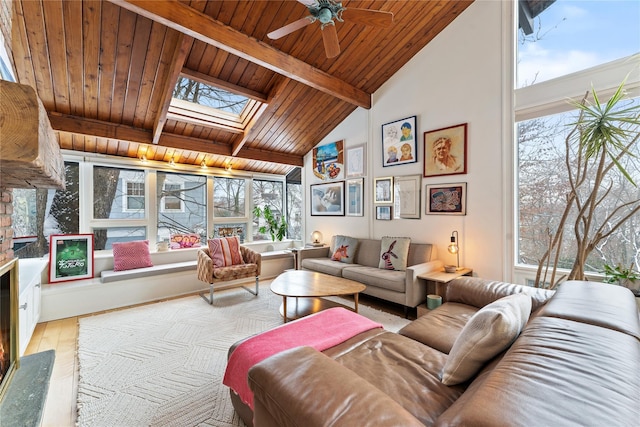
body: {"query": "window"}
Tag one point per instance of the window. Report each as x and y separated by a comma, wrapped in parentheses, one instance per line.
(596, 39)
(104, 238)
(40, 213)
(543, 186)
(118, 193)
(267, 193)
(229, 197)
(170, 198)
(210, 96)
(570, 36)
(134, 197)
(182, 205)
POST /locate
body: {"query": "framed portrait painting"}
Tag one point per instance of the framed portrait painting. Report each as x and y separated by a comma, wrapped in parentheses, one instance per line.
(445, 151)
(446, 199)
(399, 142)
(70, 257)
(328, 161)
(383, 190)
(327, 199)
(355, 197)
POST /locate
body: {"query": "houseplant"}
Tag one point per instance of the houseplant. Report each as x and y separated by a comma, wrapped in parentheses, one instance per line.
(598, 141)
(276, 227)
(623, 276)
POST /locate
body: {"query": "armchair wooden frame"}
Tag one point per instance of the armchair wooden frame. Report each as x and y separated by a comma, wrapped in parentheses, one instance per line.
(209, 274)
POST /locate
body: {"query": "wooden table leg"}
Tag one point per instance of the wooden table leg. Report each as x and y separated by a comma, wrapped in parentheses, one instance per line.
(284, 308)
(355, 299)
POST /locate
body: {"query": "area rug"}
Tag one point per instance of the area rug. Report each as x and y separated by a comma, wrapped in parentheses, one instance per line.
(163, 363)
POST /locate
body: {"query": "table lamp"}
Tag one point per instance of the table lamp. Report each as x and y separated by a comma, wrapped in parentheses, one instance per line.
(316, 238)
(453, 248)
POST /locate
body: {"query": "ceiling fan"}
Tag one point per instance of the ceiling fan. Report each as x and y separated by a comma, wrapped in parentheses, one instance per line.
(326, 11)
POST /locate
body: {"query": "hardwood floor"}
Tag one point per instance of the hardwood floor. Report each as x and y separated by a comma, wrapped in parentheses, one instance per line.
(62, 336)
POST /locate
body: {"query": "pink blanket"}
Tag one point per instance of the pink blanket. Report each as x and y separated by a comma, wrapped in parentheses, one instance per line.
(321, 331)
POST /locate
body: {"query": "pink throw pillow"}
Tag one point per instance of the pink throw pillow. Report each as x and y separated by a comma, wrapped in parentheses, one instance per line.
(225, 251)
(130, 255)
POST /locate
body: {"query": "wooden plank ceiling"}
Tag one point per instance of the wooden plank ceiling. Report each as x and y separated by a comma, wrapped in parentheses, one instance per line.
(105, 71)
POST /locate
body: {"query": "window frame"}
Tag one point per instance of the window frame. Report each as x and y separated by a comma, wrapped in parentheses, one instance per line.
(542, 99)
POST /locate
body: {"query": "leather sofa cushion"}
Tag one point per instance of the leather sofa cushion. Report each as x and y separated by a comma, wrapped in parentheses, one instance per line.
(439, 328)
(574, 300)
(557, 372)
(372, 276)
(478, 293)
(405, 370)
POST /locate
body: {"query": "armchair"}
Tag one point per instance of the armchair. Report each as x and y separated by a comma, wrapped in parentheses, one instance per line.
(209, 274)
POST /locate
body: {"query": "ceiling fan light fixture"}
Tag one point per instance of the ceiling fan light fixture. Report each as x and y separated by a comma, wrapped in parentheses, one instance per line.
(325, 15)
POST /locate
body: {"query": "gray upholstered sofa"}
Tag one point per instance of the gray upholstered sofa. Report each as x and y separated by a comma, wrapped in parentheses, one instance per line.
(401, 287)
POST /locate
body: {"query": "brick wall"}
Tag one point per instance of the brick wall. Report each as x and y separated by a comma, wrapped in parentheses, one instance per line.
(6, 232)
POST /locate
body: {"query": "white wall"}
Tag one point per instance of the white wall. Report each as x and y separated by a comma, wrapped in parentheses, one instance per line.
(457, 78)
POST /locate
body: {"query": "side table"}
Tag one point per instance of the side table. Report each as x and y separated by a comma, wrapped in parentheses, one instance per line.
(438, 280)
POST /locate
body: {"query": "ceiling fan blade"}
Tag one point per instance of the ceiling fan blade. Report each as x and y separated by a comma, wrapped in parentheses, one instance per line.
(290, 28)
(330, 39)
(377, 18)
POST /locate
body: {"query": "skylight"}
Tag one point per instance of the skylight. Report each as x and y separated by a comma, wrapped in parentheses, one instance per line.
(209, 96)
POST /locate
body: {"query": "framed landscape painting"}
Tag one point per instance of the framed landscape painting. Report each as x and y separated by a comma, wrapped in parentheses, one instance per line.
(399, 142)
(446, 199)
(70, 257)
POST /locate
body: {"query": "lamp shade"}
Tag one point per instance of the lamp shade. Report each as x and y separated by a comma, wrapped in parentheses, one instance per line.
(316, 237)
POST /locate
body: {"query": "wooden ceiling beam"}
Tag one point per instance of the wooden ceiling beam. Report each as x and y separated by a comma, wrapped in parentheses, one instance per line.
(191, 22)
(177, 62)
(101, 129)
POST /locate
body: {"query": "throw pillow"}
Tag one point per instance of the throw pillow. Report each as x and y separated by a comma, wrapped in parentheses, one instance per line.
(394, 252)
(345, 249)
(225, 251)
(490, 331)
(130, 255)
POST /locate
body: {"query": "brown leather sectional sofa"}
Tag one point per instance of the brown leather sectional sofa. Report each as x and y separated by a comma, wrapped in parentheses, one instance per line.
(575, 363)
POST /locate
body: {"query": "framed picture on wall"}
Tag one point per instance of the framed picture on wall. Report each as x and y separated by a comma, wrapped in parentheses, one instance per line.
(70, 257)
(356, 161)
(383, 190)
(328, 161)
(406, 191)
(445, 151)
(327, 199)
(446, 199)
(355, 197)
(399, 142)
(383, 213)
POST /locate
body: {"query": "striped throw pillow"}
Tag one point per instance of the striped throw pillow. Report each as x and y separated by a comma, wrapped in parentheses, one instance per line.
(225, 251)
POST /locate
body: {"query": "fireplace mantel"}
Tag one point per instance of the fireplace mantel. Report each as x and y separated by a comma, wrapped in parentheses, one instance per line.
(30, 155)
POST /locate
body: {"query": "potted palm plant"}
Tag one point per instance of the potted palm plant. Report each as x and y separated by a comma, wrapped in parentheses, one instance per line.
(600, 138)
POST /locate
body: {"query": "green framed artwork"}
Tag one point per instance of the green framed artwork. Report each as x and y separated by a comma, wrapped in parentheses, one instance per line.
(70, 257)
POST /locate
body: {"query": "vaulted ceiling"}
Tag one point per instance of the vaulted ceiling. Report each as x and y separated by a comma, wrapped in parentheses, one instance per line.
(105, 72)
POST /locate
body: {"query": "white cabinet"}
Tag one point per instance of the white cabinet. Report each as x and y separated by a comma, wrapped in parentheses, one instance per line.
(31, 271)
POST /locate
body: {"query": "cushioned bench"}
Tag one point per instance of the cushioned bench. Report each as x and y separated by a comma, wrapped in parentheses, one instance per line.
(107, 276)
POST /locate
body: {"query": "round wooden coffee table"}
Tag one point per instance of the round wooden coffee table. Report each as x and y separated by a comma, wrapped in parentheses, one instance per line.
(301, 291)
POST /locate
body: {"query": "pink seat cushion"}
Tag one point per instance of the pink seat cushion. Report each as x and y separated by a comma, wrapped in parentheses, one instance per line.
(225, 251)
(130, 255)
